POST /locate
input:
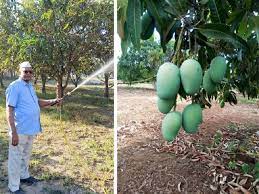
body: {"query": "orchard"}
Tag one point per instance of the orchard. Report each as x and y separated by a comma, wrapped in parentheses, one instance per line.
(203, 57)
(215, 52)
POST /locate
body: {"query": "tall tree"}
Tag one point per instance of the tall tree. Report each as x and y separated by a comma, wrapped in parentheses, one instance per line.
(59, 36)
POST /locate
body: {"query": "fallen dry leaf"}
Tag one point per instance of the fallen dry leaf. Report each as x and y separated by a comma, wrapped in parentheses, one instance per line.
(213, 188)
(179, 186)
(243, 181)
(195, 159)
(245, 191)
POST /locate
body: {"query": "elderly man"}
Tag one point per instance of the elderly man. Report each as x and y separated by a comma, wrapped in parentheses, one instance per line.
(23, 116)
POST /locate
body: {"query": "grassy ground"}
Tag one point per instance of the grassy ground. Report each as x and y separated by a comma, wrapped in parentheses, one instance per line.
(76, 146)
(244, 100)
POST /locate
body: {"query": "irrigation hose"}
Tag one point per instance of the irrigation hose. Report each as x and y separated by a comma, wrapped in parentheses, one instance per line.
(65, 96)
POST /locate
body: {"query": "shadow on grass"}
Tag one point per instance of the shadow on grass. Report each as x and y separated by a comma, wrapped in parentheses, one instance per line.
(51, 183)
(84, 105)
(2, 97)
(3, 159)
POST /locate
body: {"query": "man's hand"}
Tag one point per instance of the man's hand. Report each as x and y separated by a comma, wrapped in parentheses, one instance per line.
(10, 120)
(58, 101)
(15, 139)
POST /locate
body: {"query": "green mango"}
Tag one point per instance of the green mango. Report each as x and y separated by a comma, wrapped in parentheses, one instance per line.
(165, 105)
(222, 104)
(168, 81)
(171, 125)
(192, 118)
(147, 26)
(191, 76)
(218, 69)
(208, 84)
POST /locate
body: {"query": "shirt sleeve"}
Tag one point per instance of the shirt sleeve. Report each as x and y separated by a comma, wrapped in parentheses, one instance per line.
(12, 96)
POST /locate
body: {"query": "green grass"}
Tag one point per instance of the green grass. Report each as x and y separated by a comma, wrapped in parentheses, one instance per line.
(78, 149)
(245, 100)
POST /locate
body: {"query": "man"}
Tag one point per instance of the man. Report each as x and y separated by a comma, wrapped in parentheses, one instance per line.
(23, 116)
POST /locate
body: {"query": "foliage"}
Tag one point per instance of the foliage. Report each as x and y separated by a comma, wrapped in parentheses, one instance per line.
(138, 65)
(58, 37)
(202, 30)
(246, 168)
(217, 138)
(232, 165)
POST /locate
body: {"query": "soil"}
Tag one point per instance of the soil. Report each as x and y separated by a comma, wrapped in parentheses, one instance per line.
(147, 164)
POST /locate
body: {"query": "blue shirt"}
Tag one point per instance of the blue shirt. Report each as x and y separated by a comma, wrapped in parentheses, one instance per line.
(21, 95)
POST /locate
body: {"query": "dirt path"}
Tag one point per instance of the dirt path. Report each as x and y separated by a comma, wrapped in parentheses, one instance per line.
(143, 167)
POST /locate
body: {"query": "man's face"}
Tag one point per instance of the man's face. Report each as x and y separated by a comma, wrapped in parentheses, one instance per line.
(26, 73)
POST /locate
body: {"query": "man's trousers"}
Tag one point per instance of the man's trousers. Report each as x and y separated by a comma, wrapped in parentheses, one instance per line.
(18, 161)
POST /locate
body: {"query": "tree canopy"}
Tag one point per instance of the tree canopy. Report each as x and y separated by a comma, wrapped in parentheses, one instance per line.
(201, 29)
(60, 38)
(140, 65)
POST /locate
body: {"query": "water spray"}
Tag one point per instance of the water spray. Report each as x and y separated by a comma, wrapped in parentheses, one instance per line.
(87, 79)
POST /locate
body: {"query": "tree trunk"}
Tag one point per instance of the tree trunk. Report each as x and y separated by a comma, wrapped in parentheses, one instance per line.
(106, 90)
(12, 73)
(43, 81)
(59, 88)
(77, 80)
(36, 80)
(1, 79)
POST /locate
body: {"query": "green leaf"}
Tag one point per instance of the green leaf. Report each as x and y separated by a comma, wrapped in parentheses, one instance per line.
(248, 4)
(256, 167)
(122, 11)
(163, 21)
(256, 26)
(232, 165)
(202, 58)
(232, 3)
(203, 2)
(215, 17)
(125, 42)
(133, 21)
(121, 17)
(176, 25)
(122, 3)
(235, 18)
(120, 28)
(66, 26)
(177, 7)
(246, 168)
(242, 30)
(222, 32)
(124, 46)
(47, 15)
(155, 9)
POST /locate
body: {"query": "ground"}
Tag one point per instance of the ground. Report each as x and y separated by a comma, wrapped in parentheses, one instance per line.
(207, 162)
(74, 154)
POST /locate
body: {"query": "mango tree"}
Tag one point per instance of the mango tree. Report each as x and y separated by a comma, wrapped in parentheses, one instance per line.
(136, 66)
(9, 42)
(215, 52)
(58, 37)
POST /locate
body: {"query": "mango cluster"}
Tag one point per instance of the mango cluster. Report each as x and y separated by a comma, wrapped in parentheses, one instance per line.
(215, 74)
(190, 75)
